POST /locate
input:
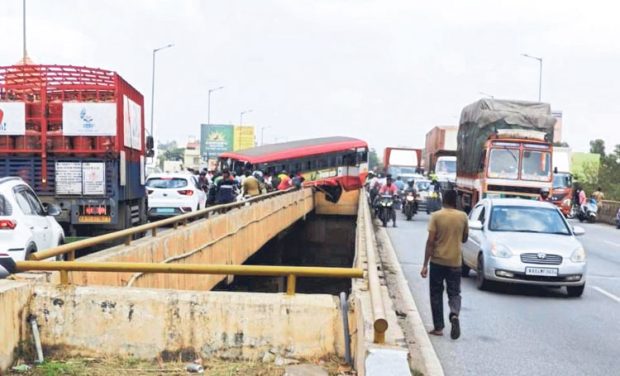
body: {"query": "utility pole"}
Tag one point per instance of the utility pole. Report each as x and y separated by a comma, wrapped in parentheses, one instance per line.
(153, 83)
(209, 103)
(540, 64)
(25, 53)
(241, 116)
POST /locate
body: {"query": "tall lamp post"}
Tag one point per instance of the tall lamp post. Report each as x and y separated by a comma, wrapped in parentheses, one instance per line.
(153, 83)
(209, 103)
(241, 116)
(540, 61)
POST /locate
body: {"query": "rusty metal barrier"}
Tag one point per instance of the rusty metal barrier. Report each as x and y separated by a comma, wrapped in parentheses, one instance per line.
(290, 272)
(129, 233)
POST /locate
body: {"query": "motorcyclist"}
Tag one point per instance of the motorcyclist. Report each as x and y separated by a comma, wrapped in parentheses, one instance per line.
(544, 194)
(411, 189)
(389, 189)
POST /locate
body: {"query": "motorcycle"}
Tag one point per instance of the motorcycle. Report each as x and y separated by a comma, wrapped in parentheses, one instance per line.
(588, 212)
(409, 205)
(385, 207)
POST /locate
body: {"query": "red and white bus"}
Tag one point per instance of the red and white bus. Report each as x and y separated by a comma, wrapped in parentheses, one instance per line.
(328, 161)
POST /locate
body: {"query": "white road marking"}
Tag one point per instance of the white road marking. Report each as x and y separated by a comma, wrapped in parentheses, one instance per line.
(615, 244)
(607, 294)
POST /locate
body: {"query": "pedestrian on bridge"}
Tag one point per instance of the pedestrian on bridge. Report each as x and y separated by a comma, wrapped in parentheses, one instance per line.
(448, 228)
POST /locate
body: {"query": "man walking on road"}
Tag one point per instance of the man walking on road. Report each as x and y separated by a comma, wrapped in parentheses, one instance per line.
(448, 228)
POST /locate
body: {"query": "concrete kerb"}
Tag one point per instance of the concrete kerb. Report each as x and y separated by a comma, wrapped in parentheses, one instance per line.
(420, 347)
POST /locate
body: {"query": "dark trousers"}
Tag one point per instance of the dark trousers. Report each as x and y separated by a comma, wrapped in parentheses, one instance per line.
(452, 276)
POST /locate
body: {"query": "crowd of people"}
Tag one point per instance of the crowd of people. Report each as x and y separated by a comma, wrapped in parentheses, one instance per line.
(226, 186)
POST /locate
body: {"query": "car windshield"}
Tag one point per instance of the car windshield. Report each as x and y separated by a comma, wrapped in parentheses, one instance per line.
(423, 185)
(561, 181)
(536, 165)
(528, 219)
(504, 163)
(446, 167)
(166, 183)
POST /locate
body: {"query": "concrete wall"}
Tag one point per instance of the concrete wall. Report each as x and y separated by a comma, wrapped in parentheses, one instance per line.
(231, 239)
(608, 212)
(145, 323)
(14, 299)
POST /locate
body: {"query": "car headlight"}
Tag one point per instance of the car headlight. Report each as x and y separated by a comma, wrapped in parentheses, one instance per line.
(579, 255)
(500, 250)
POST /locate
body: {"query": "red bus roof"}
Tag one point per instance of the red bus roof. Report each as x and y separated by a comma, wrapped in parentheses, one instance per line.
(295, 149)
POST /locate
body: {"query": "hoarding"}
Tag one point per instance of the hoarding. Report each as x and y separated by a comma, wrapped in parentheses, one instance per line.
(12, 118)
(88, 119)
(132, 118)
(243, 137)
(216, 139)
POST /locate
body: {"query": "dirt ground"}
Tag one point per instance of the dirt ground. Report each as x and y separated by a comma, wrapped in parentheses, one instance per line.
(212, 367)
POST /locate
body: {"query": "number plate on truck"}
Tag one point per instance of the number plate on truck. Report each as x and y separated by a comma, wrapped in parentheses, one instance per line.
(94, 219)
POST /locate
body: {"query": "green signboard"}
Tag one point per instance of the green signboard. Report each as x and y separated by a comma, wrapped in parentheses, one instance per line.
(216, 139)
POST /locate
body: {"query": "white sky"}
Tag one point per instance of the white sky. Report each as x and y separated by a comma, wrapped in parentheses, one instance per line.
(384, 71)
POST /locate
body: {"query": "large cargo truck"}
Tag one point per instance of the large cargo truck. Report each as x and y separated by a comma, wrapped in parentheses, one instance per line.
(76, 135)
(440, 154)
(504, 150)
(403, 162)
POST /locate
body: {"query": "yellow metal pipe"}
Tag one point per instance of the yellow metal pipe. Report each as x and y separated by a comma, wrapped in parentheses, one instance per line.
(290, 284)
(135, 267)
(65, 248)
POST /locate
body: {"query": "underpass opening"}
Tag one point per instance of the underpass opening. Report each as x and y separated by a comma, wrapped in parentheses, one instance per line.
(319, 240)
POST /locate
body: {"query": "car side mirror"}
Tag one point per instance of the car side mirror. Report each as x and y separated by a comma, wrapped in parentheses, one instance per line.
(53, 210)
(475, 225)
(578, 231)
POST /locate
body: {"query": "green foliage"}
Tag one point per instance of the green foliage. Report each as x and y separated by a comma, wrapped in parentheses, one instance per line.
(597, 147)
(373, 160)
(606, 175)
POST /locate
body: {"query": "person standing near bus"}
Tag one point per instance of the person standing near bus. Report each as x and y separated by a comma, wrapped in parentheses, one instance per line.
(285, 181)
(250, 186)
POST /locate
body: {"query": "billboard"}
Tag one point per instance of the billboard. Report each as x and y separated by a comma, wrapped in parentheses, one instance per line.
(216, 139)
(243, 137)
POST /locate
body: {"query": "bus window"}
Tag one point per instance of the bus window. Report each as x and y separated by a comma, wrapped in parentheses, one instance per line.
(349, 159)
(362, 156)
(322, 162)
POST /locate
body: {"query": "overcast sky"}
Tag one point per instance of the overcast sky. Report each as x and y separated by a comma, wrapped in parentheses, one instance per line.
(384, 71)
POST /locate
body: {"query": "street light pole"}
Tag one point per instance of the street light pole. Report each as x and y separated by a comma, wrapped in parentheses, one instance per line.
(153, 84)
(241, 116)
(209, 103)
(540, 64)
(25, 53)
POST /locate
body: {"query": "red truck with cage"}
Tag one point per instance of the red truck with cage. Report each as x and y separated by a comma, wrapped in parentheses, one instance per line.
(76, 135)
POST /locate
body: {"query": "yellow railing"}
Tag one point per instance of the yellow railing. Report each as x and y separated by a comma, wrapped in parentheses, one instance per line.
(128, 234)
(290, 272)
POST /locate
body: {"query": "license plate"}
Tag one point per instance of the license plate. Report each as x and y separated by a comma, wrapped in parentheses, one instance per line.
(545, 272)
(165, 210)
(94, 219)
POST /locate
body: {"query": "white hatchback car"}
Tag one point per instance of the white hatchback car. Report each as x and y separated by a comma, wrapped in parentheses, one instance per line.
(171, 194)
(26, 226)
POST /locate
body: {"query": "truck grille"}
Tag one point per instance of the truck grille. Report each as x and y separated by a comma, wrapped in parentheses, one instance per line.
(533, 258)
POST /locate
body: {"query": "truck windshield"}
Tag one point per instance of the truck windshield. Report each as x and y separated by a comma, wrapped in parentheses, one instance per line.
(446, 166)
(401, 171)
(536, 165)
(561, 181)
(504, 163)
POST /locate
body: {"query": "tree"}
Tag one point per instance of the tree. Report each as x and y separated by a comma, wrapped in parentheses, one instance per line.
(597, 147)
(373, 160)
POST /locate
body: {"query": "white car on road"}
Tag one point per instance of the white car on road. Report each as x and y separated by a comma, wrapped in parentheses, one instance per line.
(171, 194)
(524, 241)
(26, 226)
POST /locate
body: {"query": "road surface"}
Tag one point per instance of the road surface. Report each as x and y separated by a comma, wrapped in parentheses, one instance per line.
(523, 330)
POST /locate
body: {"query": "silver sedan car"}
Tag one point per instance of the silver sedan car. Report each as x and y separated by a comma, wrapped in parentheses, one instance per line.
(524, 241)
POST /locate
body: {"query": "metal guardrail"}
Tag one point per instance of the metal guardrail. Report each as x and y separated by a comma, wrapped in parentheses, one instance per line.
(380, 323)
(290, 272)
(129, 233)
